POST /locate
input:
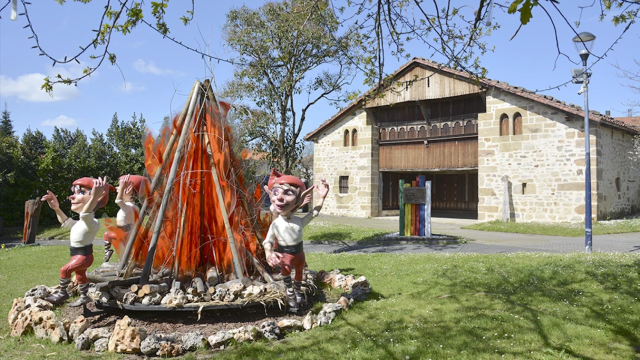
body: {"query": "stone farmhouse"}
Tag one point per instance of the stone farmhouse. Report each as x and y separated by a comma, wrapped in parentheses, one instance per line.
(474, 138)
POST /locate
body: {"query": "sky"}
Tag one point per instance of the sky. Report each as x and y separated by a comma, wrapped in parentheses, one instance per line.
(154, 75)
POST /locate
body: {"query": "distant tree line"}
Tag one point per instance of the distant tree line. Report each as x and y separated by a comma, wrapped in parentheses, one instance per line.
(33, 164)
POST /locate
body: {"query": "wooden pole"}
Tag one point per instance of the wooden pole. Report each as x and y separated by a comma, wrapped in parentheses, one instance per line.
(31, 216)
(156, 181)
(407, 216)
(401, 203)
(421, 206)
(146, 271)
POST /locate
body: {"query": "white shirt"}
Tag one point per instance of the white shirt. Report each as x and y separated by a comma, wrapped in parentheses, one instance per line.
(126, 214)
(288, 230)
(83, 231)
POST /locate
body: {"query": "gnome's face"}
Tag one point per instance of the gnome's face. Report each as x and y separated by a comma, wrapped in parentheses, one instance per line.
(284, 198)
(79, 198)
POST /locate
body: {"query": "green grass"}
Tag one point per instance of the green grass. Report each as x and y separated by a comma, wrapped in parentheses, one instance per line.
(423, 306)
(319, 230)
(559, 229)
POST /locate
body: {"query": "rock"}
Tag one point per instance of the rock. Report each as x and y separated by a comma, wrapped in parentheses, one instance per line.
(275, 288)
(78, 327)
(220, 338)
(18, 306)
(309, 321)
(310, 275)
(287, 325)
(193, 341)
(101, 345)
(126, 338)
(359, 293)
(40, 292)
(246, 333)
(220, 294)
(22, 323)
(229, 297)
(167, 299)
(348, 281)
(129, 298)
(97, 295)
(46, 325)
(236, 289)
(118, 293)
(83, 342)
(338, 281)
(34, 302)
(152, 299)
(95, 334)
(344, 302)
(151, 344)
(270, 330)
(252, 290)
(328, 278)
(328, 313)
(360, 282)
(168, 349)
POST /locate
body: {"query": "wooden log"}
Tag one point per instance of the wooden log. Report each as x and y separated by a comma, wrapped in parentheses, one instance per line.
(199, 285)
(134, 288)
(154, 288)
(212, 290)
(213, 278)
(401, 203)
(146, 271)
(125, 259)
(31, 216)
(261, 269)
(140, 293)
(192, 291)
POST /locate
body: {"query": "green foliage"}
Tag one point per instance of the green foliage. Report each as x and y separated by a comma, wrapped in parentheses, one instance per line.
(559, 229)
(6, 126)
(285, 49)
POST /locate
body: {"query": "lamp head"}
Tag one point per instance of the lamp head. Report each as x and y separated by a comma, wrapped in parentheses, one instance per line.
(583, 43)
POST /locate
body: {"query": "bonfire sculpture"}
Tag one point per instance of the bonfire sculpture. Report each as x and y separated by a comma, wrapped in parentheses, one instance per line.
(198, 224)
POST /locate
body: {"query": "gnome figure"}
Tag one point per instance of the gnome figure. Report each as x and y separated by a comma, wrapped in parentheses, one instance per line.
(129, 188)
(87, 195)
(283, 243)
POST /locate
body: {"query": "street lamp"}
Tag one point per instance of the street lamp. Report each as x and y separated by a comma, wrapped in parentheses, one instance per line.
(583, 43)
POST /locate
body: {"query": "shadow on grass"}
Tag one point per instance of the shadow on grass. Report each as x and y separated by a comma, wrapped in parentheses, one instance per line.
(345, 235)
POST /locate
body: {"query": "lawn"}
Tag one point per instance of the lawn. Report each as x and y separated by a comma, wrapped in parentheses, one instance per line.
(423, 306)
(559, 229)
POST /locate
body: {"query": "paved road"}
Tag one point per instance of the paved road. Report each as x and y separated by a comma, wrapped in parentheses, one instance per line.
(477, 241)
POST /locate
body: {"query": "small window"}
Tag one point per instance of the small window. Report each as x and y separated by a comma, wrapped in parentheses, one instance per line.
(504, 125)
(345, 140)
(392, 134)
(445, 130)
(383, 134)
(517, 124)
(354, 137)
(435, 130)
(469, 128)
(618, 184)
(422, 132)
(524, 188)
(402, 134)
(457, 128)
(344, 184)
(412, 132)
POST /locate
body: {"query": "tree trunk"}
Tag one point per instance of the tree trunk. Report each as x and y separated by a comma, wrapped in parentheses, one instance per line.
(31, 216)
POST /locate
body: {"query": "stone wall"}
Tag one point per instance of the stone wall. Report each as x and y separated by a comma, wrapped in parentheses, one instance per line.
(544, 165)
(618, 175)
(360, 163)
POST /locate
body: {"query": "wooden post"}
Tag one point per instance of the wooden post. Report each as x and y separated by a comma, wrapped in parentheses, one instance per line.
(414, 215)
(407, 216)
(421, 211)
(427, 210)
(31, 216)
(401, 203)
(155, 182)
(146, 271)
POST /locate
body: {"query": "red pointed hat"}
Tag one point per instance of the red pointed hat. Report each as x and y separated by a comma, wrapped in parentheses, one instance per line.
(277, 177)
(88, 183)
(139, 182)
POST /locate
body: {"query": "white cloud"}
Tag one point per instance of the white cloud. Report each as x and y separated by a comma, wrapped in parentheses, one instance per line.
(27, 88)
(61, 121)
(150, 67)
(129, 87)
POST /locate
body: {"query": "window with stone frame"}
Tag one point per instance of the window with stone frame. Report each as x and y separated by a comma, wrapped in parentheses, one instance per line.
(517, 124)
(354, 137)
(344, 185)
(345, 140)
(504, 125)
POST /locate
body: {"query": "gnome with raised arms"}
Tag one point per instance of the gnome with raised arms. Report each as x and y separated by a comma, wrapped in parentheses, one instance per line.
(87, 195)
(129, 187)
(283, 243)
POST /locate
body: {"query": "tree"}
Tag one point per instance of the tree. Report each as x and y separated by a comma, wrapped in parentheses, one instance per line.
(6, 125)
(633, 81)
(126, 138)
(286, 49)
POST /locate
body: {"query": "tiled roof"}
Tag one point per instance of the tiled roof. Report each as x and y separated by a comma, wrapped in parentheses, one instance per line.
(627, 124)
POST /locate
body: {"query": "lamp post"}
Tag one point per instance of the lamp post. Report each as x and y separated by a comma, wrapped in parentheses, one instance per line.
(583, 43)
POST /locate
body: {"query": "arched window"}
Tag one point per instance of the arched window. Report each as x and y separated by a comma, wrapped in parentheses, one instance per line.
(345, 140)
(445, 130)
(392, 134)
(354, 137)
(422, 132)
(504, 125)
(517, 124)
(469, 128)
(402, 134)
(435, 130)
(412, 132)
(457, 128)
(384, 135)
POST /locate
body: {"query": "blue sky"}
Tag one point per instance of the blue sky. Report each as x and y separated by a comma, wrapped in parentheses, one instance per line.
(155, 75)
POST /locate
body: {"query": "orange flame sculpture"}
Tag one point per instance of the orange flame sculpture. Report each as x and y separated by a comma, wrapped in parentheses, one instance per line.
(193, 238)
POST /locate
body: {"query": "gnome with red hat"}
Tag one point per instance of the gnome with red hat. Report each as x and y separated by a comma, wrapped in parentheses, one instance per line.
(129, 187)
(287, 194)
(87, 195)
